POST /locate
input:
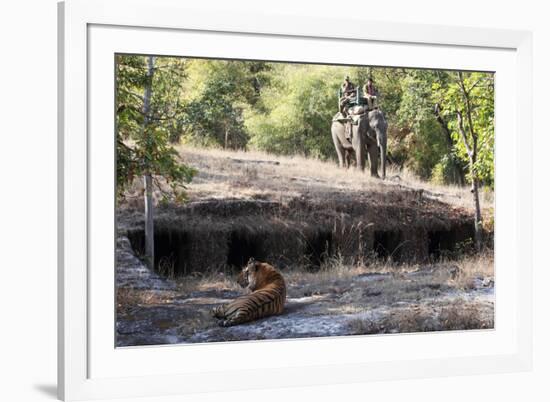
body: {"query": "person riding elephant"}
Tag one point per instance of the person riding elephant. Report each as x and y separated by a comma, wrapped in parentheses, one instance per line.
(370, 93)
(347, 94)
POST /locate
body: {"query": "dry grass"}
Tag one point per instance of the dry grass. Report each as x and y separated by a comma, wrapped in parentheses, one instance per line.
(450, 194)
(336, 277)
(260, 175)
(469, 266)
(294, 173)
(454, 317)
(332, 273)
(130, 298)
(253, 175)
(474, 268)
(214, 281)
(460, 316)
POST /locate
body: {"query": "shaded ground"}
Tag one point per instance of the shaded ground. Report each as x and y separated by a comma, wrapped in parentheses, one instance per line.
(337, 301)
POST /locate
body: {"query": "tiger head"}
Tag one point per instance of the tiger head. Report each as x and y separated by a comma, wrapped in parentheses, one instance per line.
(255, 275)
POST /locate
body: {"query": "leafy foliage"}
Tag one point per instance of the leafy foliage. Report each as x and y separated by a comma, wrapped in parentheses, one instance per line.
(480, 100)
(143, 140)
(220, 93)
(300, 103)
(287, 109)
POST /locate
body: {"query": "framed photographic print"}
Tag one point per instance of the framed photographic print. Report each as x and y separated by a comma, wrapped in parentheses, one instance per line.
(349, 201)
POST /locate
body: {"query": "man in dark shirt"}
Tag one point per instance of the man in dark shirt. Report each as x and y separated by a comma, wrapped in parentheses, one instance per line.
(347, 93)
(347, 87)
(370, 93)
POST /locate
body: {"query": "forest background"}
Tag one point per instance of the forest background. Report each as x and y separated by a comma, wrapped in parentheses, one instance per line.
(437, 120)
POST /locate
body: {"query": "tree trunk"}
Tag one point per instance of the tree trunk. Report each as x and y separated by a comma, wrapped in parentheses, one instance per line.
(458, 174)
(149, 223)
(148, 179)
(471, 149)
(478, 224)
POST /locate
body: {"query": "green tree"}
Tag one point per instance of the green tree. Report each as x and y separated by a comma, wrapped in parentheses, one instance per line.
(143, 136)
(222, 91)
(431, 150)
(469, 98)
(147, 95)
(300, 105)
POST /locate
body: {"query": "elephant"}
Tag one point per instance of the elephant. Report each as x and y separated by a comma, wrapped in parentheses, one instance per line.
(369, 135)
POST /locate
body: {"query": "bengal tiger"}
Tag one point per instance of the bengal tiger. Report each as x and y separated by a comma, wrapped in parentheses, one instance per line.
(267, 298)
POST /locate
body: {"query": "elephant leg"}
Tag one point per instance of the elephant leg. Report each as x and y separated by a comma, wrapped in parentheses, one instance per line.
(379, 130)
(340, 151)
(348, 158)
(372, 149)
(342, 159)
(359, 147)
(360, 158)
(383, 157)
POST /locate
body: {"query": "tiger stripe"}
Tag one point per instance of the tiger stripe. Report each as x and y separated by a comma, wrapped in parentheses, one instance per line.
(267, 298)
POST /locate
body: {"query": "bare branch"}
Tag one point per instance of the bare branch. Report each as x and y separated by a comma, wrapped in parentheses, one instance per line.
(469, 108)
(463, 133)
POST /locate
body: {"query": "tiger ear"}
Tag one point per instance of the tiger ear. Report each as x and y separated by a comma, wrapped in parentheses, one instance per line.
(251, 264)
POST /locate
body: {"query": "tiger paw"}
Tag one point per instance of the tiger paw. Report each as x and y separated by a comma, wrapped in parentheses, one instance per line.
(216, 312)
(225, 323)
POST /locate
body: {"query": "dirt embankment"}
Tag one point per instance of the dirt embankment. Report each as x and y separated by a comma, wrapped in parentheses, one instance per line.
(296, 212)
(212, 234)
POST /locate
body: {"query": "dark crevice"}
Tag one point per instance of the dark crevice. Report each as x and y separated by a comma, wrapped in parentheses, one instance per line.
(319, 247)
(457, 239)
(242, 246)
(199, 249)
(171, 253)
(388, 244)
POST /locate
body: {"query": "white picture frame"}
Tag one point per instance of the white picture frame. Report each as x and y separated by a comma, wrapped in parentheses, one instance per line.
(89, 365)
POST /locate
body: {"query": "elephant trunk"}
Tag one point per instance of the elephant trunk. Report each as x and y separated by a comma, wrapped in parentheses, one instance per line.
(383, 150)
(359, 136)
(383, 146)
